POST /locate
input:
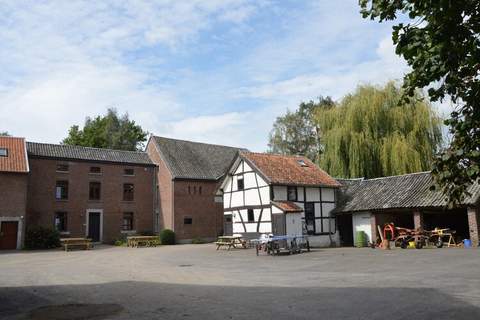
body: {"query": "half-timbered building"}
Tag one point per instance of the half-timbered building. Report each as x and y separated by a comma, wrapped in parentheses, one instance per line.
(282, 195)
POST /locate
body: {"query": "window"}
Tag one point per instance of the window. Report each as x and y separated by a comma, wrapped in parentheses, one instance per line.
(251, 216)
(95, 190)
(3, 152)
(128, 192)
(187, 220)
(240, 184)
(310, 218)
(96, 170)
(62, 167)
(292, 193)
(128, 172)
(200, 190)
(127, 221)
(60, 221)
(61, 190)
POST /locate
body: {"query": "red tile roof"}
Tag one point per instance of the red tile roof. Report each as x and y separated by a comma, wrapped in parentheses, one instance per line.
(287, 206)
(16, 159)
(289, 170)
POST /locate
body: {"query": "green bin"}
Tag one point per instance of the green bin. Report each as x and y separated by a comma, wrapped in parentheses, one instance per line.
(361, 239)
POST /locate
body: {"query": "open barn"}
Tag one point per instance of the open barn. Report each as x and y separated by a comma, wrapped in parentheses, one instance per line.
(407, 202)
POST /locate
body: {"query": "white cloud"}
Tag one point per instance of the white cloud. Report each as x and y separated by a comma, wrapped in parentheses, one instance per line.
(65, 60)
(386, 66)
(207, 128)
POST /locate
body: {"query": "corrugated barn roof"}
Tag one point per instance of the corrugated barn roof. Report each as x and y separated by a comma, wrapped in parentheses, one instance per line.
(396, 192)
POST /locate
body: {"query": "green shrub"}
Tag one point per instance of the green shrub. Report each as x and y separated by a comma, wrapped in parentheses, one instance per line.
(197, 240)
(41, 238)
(167, 237)
(121, 241)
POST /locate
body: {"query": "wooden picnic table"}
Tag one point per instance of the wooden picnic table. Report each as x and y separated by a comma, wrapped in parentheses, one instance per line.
(231, 242)
(84, 243)
(147, 241)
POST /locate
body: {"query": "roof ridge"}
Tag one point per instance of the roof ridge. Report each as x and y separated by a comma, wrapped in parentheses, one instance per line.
(83, 147)
(196, 142)
(398, 175)
(278, 155)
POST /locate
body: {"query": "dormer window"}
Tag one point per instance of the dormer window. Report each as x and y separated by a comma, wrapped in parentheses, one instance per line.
(3, 152)
(302, 163)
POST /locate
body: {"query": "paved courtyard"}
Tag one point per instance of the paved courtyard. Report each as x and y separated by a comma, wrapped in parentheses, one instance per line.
(197, 282)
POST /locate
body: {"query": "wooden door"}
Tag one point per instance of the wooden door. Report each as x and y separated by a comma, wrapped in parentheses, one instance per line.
(227, 225)
(8, 235)
(94, 226)
(279, 224)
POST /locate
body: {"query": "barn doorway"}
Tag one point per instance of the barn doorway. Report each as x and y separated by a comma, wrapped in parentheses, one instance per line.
(345, 229)
(456, 219)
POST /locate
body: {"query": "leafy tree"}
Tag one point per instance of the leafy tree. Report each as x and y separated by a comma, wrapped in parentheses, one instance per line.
(109, 131)
(441, 43)
(369, 134)
(4, 134)
(295, 133)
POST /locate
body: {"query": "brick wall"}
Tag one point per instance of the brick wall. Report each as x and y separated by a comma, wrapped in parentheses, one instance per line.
(13, 194)
(206, 214)
(417, 219)
(42, 205)
(474, 225)
(165, 189)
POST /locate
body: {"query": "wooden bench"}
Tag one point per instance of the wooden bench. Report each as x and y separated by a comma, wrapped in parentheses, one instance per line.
(147, 241)
(81, 243)
(227, 244)
(230, 242)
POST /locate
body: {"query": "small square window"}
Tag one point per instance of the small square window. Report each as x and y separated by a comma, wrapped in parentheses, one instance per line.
(127, 224)
(240, 184)
(251, 216)
(128, 172)
(62, 167)
(302, 163)
(128, 190)
(95, 190)
(3, 152)
(61, 190)
(95, 170)
(60, 221)
(292, 193)
(187, 220)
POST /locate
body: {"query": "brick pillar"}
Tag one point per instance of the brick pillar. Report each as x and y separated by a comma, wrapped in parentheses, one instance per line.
(473, 225)
(373, 225)
(417, 219)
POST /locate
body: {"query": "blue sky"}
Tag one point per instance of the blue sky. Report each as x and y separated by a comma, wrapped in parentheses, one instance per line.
(215, 71)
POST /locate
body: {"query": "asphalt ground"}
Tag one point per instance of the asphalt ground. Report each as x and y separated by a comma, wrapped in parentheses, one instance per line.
(198, 282)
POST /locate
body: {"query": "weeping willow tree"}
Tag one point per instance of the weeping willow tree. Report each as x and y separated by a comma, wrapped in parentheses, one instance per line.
(369, 134)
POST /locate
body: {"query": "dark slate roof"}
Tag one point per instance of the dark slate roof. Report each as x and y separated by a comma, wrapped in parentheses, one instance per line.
(396, 192)
(195, 160)
(67, 152)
